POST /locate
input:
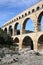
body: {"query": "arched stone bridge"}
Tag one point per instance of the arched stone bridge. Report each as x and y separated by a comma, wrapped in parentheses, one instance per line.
(24, 39)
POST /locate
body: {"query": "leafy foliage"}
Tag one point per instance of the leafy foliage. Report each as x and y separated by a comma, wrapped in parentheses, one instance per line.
(5, 39)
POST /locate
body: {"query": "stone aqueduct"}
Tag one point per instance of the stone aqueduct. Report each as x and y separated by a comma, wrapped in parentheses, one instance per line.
(23, 38)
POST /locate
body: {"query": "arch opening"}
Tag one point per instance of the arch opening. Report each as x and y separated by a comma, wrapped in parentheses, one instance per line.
(5, 30)
(40, 43)
(16, 41)
(17, 29)
(33, 10)
(27, 43)
(10, 30)
(28, 26)
(40, 22)
(38, 8)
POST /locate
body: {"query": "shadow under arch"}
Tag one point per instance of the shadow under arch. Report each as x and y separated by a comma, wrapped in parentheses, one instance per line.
(10, 30)
(27, 43)
(29, 24)
(40, 42)
(16, 40)
(5, 30)
(40, 22)
(17, 29)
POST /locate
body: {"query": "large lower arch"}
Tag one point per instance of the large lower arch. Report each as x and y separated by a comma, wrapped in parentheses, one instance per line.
(28, 26)
(40, 22)
(17, 29)
(10, 30)
(16, 40)
(40, 42)
(27, 43)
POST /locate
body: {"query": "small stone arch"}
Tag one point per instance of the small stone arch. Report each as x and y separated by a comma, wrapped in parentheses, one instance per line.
(33, 10)
(42, 5)
(25, 14)
(22, 15)
(17, 31)
(10, 30)
(5, 30)
(27, 42)
(19, 17)
(16, 40)
(29, 12)
(16, 18)
(37, 8)
(40, 42)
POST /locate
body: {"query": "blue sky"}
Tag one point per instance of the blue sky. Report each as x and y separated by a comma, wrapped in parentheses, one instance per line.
(10, 8)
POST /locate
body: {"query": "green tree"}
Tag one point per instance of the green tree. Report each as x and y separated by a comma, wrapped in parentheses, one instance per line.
(5, 39)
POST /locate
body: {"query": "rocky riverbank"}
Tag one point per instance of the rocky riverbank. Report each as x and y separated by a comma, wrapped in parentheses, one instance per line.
(22, 57)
